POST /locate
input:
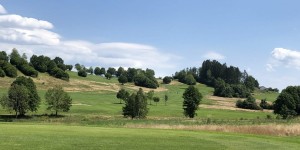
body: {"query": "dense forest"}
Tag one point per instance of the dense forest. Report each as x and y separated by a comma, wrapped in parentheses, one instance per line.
(228, 81)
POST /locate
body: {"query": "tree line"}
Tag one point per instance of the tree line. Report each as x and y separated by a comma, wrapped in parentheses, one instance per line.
(10, 63)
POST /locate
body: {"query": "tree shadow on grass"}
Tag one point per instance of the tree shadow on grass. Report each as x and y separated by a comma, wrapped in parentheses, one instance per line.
(118, 103)
(11, 118)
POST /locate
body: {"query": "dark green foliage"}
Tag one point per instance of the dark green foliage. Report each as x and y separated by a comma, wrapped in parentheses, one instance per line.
(9, 69)
(226, 90)
(150, 95)
(136, 105)
(2, 73)
(82, 73)
(102, 71)
(58, 100)
(97, 71)
(111, 71)
(17, 100)
(251, 83)
(120, 71)
(60, 63)
(59, 73)
(144, 81)
(22, 64)
(123, 95)
(108, 76)
(265, 105)
(15, 57)
(287, 103)
(122, 79)
(28, 70)
(69, 67)
(191, 100)
(40, 63)
(3, 56)
(34, 99)
(249, 103)
(156, 100)
(90, 70)
(166, 99)
(78, 67)
(131, 73)
(167, 80)
(190, 80)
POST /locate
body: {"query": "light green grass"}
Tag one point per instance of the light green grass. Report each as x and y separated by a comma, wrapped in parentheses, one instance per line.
(270, 96)
(16, 136)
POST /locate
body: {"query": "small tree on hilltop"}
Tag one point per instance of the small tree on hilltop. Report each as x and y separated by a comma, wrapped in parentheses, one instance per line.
(156, 100)
(167, 80)
(191, 100)
(150, 95)
(123, 95)
(108, 76)
(58, 100)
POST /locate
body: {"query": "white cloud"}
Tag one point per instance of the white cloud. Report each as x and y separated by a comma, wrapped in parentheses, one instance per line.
(2, 10)
(12, 20)
(284, 57)
(214, 56)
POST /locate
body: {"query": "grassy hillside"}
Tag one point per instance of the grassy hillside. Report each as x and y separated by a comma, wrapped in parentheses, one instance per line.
(20, 136)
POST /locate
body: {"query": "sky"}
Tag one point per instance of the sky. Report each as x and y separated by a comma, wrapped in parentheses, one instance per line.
(261, 37)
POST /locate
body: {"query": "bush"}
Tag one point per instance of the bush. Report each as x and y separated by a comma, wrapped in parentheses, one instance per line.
(167, 80)
(82, 73)
(59, 73)
(249, 103)
(27, 70)
(2, 73)
(10, 70)
(265, 105)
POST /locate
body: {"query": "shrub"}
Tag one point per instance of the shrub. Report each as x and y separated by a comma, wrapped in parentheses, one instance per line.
(249, 103)
(82, 73)
(167, 80)
(265, 105)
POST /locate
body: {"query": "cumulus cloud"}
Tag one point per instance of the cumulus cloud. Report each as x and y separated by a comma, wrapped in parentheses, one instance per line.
(33, 36)
(284, 57)
(214, 56)
(2, 10)
(24, 30)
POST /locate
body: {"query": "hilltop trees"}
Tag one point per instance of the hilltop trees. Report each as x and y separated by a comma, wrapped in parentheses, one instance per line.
(22, 64)
(167, 80)
(122, 79)
(8, 69)
(136, 105)
(191, 100)
(287, 103)
(58, 100)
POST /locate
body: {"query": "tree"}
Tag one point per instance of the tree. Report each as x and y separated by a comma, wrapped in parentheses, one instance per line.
(102, 71)
(136, 106)
(190, 80)
(120, 71)
(97, 71)
(3, 56)
(82, 73)
(287, 103)
(108, 76)
(123, 95)
(34, 99)
(69, 67)
(17, 100)
(111, 70)
(156, 100)
(167, 80)
(10, 70)
(90, 70)
(78, 67)
(122, 79)
(191, 100)
(2, 73)
(166, 99)
(15, 57)
(58, 100)
(249, 103)
(150, 95)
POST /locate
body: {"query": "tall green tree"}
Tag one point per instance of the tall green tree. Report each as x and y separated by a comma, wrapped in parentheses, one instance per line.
(166, 99)
(287, 103)
(120, 71)
(17, 100)
(58, 100)
(97, 71)
(136, 106)
(150, 95)
(102, 71)
(111, 70)
(34, 99)
(191, 100)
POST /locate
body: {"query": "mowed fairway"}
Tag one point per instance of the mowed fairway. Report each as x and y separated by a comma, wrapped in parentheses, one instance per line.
(21, 136)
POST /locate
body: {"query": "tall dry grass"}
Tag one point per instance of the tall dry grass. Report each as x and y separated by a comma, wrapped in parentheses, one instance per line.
(270, 129)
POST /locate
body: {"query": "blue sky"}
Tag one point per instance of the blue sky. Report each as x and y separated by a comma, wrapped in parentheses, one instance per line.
(261, 37)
